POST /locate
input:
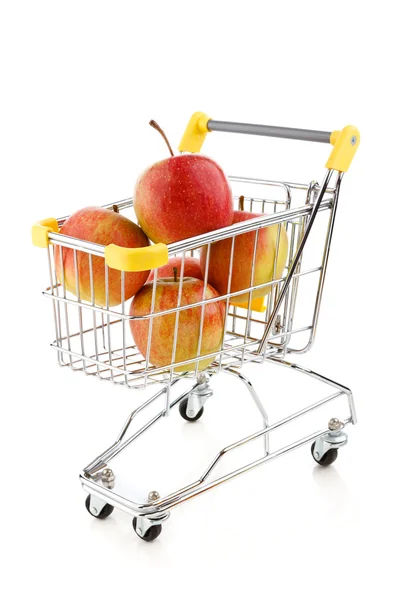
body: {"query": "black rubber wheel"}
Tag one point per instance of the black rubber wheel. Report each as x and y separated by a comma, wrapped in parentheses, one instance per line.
(328, 458)
(103, 514)
(182, 410)
(151, 534)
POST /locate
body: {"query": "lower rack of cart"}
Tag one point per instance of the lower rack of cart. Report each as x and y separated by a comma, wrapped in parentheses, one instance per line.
(149, 513)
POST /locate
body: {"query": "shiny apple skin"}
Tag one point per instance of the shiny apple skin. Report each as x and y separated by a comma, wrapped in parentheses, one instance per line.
(181, 197)
(95, 224)
(189, 323)
(220, 253)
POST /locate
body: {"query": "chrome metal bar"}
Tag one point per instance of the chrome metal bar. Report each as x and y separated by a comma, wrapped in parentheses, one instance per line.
(271, 183)
(257, 401)
(119, 445)
(178, 308)
(267, 430)
(106, 274)
(245, 227)
(227, 303)
(177, 496)
(202, 314)
(176, 331)
(208, 486)
(256, 200)
(150, 329)
(234, 350)
(264, 415)
(275, 288)
(65, 304)
(121, 204)
(123, 323)
(253, 265)
(78, 295)
(57, 293)
(92, 296)
(292, 270)
(295, 285)
(77, 244)
(290, 133)
(339, 386)
(90, 329)
(196, 241)
(190, 491)
(52, 286)
(324, 266)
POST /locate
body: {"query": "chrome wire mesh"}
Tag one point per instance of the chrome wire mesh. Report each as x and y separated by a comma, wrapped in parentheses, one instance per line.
(97, 340)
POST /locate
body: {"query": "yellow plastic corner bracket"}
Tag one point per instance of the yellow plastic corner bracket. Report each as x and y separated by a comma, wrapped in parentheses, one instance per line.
(136, 259)
(41, 230)
(345, 144)
(195, 133)
(258, 304)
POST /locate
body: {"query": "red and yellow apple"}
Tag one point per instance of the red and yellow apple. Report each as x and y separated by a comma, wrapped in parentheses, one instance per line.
(191, 268)
(220, 254)
(162, 335)
(104, 227)
(182, 196)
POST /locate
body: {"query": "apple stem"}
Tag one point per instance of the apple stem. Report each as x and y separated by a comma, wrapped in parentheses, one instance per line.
(115, 208)
(241, 202)
(158, 128)
(175, 270)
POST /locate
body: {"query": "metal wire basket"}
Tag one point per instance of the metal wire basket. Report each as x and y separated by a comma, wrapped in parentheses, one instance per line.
(262, 322)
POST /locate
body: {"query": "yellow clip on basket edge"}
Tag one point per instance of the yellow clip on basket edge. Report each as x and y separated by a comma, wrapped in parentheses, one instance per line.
(41, 230)
(195, 133)
(136, 259)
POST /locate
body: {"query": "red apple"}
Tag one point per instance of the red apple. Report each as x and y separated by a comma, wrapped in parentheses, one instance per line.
(162, 337)
(104, 227)
(220, 252)
(191, 268)
(182, 196)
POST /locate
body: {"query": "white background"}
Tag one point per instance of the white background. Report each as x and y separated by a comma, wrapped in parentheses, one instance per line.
(80, 81)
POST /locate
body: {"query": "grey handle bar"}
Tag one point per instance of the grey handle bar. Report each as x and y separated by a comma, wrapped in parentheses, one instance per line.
(306, 135)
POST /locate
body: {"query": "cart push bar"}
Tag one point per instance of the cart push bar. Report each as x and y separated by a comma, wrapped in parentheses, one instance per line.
(344, 142)
(305, 135)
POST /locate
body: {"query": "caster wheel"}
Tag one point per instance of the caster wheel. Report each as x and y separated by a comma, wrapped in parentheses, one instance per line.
(182, 410)
(103, 514)
(151, 534)
(328, 458)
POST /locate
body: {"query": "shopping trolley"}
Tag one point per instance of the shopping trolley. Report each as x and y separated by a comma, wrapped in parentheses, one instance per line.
(262, 330)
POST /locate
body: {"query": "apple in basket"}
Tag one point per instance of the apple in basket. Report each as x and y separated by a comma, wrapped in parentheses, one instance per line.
(191, 268)
(220, 254)
(104, 227)
(163, 329)
(181, 197)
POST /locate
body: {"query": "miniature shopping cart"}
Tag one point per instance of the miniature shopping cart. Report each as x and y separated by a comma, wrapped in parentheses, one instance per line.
(264, 330)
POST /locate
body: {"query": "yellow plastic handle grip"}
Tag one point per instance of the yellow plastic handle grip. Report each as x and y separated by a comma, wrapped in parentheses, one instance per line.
(195, 133)
(136, 259)
(41, 230)
(345, 144)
